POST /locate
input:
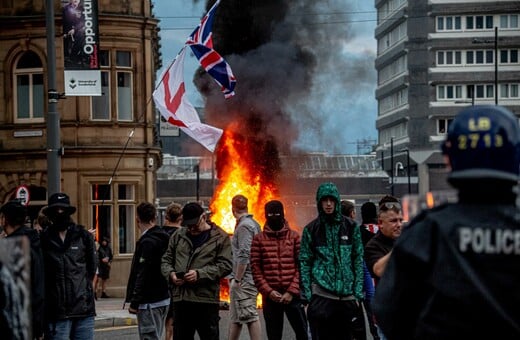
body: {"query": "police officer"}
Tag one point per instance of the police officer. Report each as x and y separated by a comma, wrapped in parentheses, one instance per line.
(455, 270)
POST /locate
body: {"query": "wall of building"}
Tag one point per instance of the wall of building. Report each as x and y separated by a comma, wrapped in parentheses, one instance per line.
(94, 152)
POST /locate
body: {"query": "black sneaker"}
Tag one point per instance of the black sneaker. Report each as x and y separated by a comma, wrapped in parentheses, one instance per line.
(104, 296)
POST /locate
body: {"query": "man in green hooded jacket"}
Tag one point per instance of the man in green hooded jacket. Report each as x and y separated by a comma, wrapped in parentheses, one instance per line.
(331, 269)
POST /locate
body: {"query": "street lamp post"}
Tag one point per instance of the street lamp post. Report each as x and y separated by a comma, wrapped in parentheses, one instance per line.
(408, 169)
(392, 164)
(196, 169)
(496, 65)
(53, 117)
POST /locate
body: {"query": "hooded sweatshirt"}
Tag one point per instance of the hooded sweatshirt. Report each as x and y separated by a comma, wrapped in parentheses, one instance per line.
(331, 253)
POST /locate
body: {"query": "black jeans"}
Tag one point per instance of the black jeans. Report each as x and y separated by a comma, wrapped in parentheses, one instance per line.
(194, 316)
(273, 316)
(333, 319)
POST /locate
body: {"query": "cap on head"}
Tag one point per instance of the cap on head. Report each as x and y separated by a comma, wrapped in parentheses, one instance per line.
(274, 207)
(368, 211)
(483, 142)
(191, 213)
(60, 200)
(14, 211)
(239, 203)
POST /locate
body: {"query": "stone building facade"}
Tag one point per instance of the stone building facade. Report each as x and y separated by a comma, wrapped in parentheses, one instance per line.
(109, 147)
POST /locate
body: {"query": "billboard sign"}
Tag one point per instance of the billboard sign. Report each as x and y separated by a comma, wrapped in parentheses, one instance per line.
(81, 48)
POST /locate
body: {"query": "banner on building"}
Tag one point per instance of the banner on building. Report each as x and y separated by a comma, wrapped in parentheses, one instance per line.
(81, 48)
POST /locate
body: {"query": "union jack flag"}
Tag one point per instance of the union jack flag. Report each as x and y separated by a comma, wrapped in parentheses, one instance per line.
(201, 44)
(202, 35)
(217, 67)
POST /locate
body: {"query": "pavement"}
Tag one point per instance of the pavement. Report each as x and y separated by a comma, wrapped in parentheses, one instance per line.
(110, 313)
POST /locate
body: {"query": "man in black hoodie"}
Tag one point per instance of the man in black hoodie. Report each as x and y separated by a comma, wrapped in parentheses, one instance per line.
(12, 218)
(147, 290)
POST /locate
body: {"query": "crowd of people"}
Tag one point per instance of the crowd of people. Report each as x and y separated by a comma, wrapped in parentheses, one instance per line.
(448, 274)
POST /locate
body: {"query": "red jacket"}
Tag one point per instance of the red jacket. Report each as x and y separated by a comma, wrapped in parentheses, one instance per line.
(274, 261)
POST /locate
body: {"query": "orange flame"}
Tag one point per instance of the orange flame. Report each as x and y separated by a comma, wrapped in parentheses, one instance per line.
(238, 176)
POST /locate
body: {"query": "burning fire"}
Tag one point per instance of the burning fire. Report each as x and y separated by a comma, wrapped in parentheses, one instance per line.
(238, 174)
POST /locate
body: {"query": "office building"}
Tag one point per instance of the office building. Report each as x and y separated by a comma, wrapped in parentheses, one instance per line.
(435, 57)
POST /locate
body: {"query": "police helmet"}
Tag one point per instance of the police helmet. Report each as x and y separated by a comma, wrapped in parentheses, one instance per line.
(483, 142)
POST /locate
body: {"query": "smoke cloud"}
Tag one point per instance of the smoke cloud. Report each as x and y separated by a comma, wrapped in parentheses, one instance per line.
(299, 85)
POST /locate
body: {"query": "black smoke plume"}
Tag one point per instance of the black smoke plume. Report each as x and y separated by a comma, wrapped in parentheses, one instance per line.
(292, 70)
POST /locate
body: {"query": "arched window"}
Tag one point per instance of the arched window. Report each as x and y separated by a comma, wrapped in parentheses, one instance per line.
(29, 92)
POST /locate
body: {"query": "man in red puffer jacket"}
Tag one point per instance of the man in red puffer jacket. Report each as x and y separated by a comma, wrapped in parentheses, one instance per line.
(274, 263)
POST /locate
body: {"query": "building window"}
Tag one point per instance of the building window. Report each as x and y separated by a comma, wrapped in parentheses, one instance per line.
(449, 58)
(509, 56)
(29, 92)
(389, 8)
(479, 22)
(392, 38)
(442, 126)
(101, 104)
(481, 91)
(451, 23)
(117, 70)
(509, 21)
(124, 85)
(113, 206)
(392, 70)
(509, 90)
(447, 92)
(480, 57)
(395, 131)
(393, 101)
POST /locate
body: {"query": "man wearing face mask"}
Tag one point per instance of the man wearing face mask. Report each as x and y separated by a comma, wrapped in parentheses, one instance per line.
(70, 265)
(274, 263)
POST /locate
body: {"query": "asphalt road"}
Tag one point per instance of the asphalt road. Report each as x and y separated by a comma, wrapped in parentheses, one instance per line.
(130, 332)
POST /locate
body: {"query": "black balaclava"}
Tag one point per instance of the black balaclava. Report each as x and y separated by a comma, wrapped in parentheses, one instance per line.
(274, 215)
(60, 219)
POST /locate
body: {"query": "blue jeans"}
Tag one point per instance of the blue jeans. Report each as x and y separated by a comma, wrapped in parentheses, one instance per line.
(150, 322)
(77, 329)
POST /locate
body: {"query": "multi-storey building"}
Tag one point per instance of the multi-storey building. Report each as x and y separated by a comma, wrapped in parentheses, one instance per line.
(435, 57)
(109, 150)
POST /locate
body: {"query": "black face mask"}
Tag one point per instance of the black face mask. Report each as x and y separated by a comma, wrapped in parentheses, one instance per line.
(275, 222)
(60, 221)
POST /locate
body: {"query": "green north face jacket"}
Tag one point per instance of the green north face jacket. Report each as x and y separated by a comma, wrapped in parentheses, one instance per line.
(331, 251)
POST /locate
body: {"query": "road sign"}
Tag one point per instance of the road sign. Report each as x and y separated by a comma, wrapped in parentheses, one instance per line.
(22, 193)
